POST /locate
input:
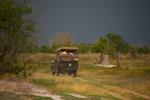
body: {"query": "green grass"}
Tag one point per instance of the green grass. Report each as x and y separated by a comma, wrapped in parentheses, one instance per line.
(11, 96)
(40, 98)
(49, 83)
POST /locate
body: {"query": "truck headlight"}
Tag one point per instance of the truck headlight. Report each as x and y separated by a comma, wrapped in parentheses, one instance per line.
(70, 64)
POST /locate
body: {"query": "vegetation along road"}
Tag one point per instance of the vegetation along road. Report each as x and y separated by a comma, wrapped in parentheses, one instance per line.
(129, 82)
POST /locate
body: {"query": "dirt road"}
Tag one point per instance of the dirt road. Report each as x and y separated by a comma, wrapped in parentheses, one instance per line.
(24, 87)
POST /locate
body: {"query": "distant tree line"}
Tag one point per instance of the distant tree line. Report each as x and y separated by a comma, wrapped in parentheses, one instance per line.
(112, 44)
(104, 44)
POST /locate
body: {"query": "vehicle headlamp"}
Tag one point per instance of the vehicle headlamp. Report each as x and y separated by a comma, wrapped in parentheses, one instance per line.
(70, 64)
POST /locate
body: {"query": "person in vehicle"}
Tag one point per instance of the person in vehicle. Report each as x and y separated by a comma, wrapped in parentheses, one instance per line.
(63, 53)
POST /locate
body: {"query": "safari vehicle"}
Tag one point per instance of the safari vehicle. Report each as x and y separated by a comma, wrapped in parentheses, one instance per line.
(66, 61)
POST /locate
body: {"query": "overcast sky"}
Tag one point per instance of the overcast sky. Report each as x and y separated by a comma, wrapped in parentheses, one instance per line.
(86, 20)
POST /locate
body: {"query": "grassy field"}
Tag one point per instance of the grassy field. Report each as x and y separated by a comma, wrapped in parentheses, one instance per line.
(128, 82)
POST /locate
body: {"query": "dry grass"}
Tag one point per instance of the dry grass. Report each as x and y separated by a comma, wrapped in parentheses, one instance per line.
(38, 58)
(96, 81)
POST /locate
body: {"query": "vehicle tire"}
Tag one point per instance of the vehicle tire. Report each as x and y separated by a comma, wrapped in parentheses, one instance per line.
(53, 73)
(74, 74)
(69, 74)
(57, 72)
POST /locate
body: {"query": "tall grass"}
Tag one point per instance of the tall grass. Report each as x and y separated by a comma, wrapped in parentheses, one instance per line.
(133, 75)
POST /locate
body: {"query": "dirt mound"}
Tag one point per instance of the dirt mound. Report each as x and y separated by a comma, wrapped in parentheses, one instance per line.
(105, 60)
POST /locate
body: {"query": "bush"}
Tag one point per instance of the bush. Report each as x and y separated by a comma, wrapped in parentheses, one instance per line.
(16, 68)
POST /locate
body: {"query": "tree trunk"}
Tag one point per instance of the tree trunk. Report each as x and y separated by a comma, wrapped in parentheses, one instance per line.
(118, 59)
(101, 58)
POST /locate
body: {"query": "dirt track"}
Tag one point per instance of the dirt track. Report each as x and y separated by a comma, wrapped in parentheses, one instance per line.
(118, 91)
(24, 87)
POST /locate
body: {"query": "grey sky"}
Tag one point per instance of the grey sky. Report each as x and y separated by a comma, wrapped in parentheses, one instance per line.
(86, 20)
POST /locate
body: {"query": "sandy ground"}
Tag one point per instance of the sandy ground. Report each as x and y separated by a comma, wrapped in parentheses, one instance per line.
(104, 65)
(24, 87)
(76, 95)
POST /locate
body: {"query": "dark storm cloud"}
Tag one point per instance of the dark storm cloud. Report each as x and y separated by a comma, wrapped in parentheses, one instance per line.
(85, 20)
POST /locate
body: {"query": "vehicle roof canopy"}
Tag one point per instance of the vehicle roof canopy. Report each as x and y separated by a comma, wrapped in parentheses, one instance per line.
(67, 48)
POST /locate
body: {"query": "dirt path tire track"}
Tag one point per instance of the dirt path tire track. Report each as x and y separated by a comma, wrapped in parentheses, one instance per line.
(116, 95)
(107, 89)
(128, 91)
(23, 87)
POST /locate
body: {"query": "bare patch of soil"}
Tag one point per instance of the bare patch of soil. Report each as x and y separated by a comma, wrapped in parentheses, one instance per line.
(23, 87)
(76, 95)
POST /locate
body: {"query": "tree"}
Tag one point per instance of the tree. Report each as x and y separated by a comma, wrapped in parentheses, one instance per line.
(116, 45)
(84, 47)
(44, 49)
(133, 51)
(101, 46)
(16, 36)
(61, 39)
(143, 50)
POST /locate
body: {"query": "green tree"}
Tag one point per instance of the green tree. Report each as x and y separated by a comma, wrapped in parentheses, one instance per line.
(116, 46)
(143, 50)
(16, 27)
(133, 51)
(84, 47)
(101, 47)
(54, 47)
(44, 49)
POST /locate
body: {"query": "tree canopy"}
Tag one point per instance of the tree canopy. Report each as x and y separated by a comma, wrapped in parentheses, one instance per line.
(16, 27)
(62, 39)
